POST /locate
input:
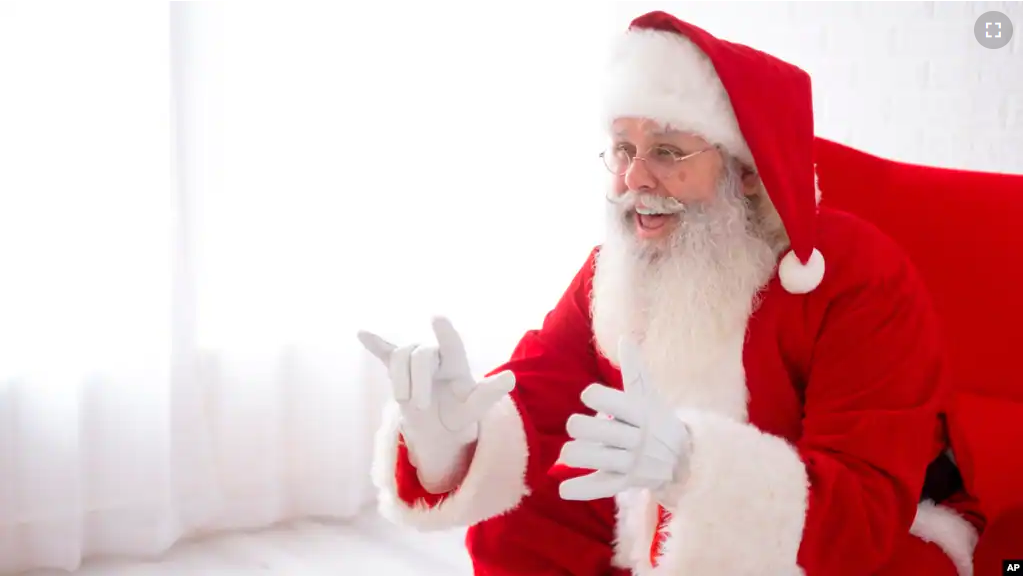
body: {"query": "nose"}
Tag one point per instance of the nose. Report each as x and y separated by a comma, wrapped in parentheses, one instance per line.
(638, 176)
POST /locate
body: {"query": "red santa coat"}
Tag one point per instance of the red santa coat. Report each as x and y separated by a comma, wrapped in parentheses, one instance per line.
(819, 472)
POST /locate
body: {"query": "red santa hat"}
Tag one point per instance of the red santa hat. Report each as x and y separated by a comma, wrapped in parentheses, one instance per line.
(757, 107)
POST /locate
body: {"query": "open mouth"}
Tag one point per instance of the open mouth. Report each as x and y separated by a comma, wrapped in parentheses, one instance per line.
(650, 221)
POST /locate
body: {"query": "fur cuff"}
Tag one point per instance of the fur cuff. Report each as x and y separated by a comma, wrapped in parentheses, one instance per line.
(743, 507)
(947, 530)
(494, 483)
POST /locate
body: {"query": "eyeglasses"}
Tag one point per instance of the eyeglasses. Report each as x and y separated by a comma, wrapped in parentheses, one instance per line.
(662, 161)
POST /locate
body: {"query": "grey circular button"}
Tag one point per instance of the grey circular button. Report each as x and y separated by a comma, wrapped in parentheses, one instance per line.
(993, 30)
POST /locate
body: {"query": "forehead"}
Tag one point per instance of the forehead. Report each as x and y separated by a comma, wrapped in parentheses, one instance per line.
(645, 129)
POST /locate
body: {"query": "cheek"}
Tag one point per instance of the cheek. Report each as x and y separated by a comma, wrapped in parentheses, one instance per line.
(693, 187)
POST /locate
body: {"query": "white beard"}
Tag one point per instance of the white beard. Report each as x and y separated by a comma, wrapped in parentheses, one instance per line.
(686, 302)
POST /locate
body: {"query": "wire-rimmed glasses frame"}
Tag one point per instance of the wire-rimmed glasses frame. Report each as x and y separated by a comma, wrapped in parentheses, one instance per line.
(661, 160)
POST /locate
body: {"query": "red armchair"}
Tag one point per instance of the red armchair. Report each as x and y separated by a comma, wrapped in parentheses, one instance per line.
(963, 229)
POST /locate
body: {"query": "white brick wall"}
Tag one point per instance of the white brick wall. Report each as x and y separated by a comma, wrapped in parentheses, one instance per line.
(905, 80)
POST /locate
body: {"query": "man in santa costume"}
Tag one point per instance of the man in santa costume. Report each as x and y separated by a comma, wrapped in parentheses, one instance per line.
(737, 381)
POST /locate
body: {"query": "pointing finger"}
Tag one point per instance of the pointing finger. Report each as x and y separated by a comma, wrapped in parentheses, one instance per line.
(450, 347)
(377, 346)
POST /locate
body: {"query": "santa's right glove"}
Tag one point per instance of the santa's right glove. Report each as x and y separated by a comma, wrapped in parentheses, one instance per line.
(634, 441)
(441, 402)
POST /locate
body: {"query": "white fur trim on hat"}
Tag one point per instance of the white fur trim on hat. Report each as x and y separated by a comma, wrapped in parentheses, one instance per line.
(663, 76)
(800, 278)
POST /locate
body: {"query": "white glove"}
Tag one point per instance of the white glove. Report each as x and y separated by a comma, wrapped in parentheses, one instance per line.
(440, 401)
(635, 441)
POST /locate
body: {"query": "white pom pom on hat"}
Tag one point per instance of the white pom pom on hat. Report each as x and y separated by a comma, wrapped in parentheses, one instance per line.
(798, 277)
(756, 106)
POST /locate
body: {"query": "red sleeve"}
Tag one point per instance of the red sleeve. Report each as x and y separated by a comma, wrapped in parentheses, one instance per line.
(509, 496)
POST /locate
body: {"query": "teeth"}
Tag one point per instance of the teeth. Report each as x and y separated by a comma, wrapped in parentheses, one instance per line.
(650, 212)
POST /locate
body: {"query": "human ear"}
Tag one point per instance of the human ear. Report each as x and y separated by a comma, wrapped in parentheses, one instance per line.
(750, 181)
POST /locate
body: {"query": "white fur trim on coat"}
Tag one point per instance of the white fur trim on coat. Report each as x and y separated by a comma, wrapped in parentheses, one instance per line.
(636, 525)
(948, 530)
(663, 76)
(494, 484)
(743, 507)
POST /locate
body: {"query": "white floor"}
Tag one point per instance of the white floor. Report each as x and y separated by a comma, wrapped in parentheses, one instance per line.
(369, 545)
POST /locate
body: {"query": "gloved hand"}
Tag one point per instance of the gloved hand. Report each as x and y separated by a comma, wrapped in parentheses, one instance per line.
(635, 441)
(441, 403)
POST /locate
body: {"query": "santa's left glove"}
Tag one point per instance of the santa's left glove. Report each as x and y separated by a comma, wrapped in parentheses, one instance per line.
(441, 402)
(634, 441)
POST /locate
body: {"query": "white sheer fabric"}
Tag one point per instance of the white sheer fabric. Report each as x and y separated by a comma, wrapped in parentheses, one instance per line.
(201, 203)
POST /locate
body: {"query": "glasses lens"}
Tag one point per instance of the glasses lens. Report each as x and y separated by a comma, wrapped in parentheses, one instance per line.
(662, 158)
(616, 160)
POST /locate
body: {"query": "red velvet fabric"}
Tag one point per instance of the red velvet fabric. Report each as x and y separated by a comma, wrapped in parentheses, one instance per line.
(963, 231)
(1001, 541)
(915, 556)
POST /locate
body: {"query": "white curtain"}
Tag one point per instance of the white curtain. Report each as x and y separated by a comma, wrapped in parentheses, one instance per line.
(201, 203)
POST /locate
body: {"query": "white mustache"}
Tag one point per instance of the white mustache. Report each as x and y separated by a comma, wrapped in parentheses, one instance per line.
(646, 201)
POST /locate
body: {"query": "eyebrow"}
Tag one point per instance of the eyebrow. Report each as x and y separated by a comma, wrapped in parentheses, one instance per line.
(657, 133)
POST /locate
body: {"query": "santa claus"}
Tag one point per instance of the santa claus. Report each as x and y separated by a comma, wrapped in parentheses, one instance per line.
(737, 381)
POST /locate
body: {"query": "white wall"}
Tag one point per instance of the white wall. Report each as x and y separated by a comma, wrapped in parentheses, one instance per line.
(905, 80)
